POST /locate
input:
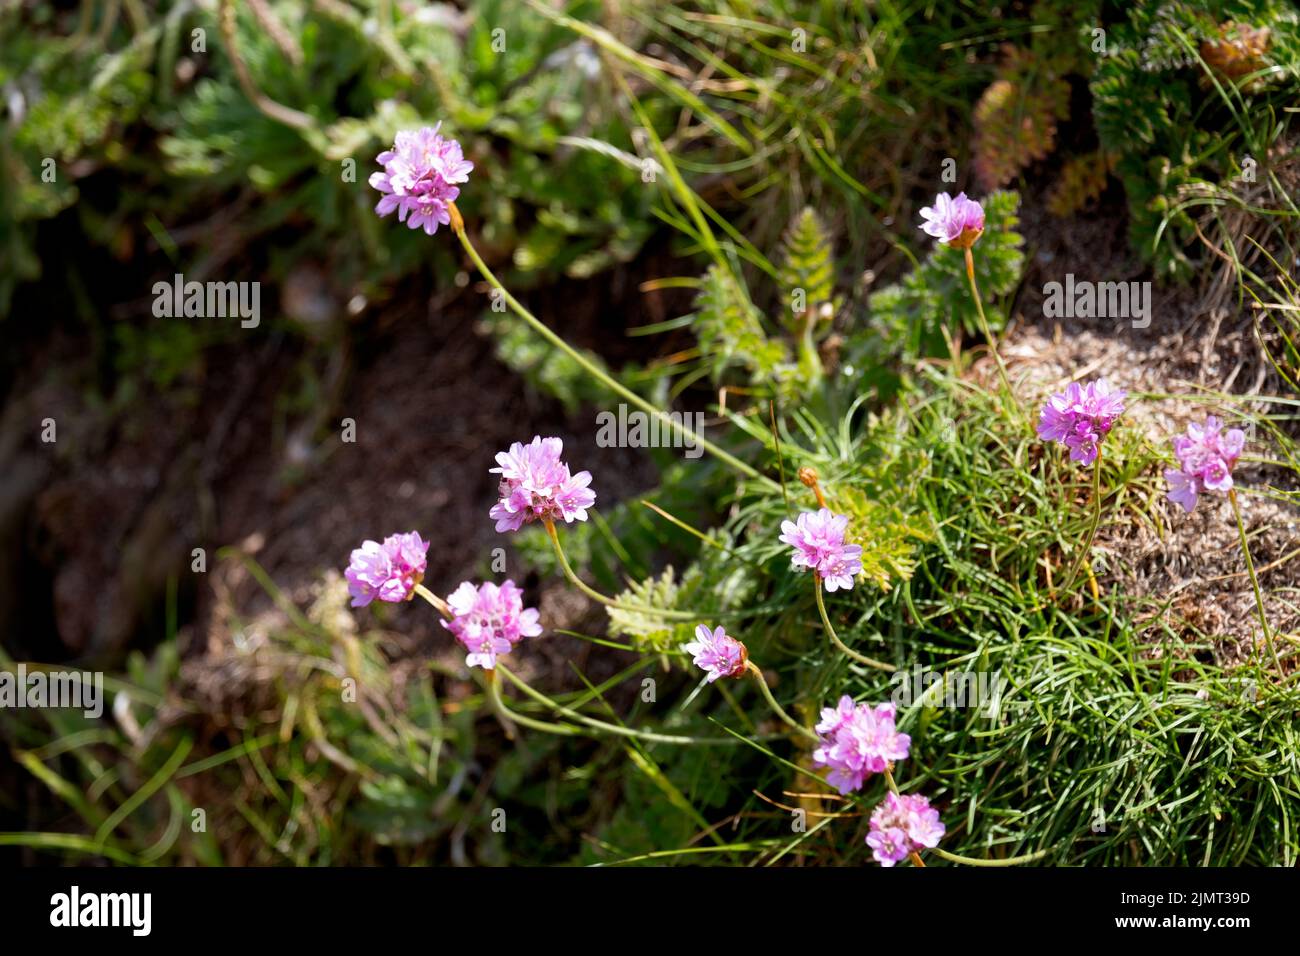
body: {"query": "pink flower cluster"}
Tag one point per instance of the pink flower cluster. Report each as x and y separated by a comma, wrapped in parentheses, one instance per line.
(857, 740)
(536, 486)
(419, 178)
(954, 221)
(818, 541)
(1206, 456)
(489, 620)
(717, 653)
(903, 824)
(1080, 417)
(388, 571)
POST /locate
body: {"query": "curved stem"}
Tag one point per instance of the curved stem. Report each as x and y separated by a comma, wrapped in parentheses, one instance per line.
(826, 622)
(509, 717)
(1254, 580)
(771, 701)
(976, 861)
(1092, 529)
(678, 425)
(984, 322)
(595, 595)
(601, 725)
(276, 111)
(438, 603)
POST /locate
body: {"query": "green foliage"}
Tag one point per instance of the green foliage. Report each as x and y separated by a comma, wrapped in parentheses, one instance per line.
(713, 585)
(1168, 107)
(1113, 706)
(528, 107)
(650, 629)
(888, 539)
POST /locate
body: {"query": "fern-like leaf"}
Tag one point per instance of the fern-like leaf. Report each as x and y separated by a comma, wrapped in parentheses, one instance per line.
(1015, 120)
(807, 270)
(1081, 182)
(729, 329)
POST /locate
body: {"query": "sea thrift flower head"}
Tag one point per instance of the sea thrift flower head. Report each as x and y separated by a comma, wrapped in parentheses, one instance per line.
(956, 222)
(388, 571)
(1206, 456)
(903, 824)
(717, 653)
(1080, 417)
(419, 178)
(857, 740)
(818, 541)
(489, 620)
(536, 486)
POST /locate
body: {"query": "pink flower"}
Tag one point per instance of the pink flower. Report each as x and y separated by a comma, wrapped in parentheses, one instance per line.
(901, 825)
(717, 653)
(490, 620)
(818, 542)
(857, 740)
(1080, 417)
(419, 177)
(1206, 456)
(387, 572)
(955, 222)
(537, 486)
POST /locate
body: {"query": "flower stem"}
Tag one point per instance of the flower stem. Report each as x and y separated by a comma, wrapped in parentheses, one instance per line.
(976, 861)
(1254, 580)
(508, 717)
(1082, 556)
(600, 725)
(984, 322)
(771, 701)
(276, 111)
(595, 595)
(826, 622)
(438, 603)
(678, 425)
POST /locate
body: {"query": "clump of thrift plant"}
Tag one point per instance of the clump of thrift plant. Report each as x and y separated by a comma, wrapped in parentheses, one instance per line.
(1080, 417)
(857, 740)
(1206, 456)
(901, 825)
(489, 620)
(717, 653)
(536, 486)
(420, 182)
(389, 571)
(420, 177)
(955, 221)
(958, 222)
(818, 541)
